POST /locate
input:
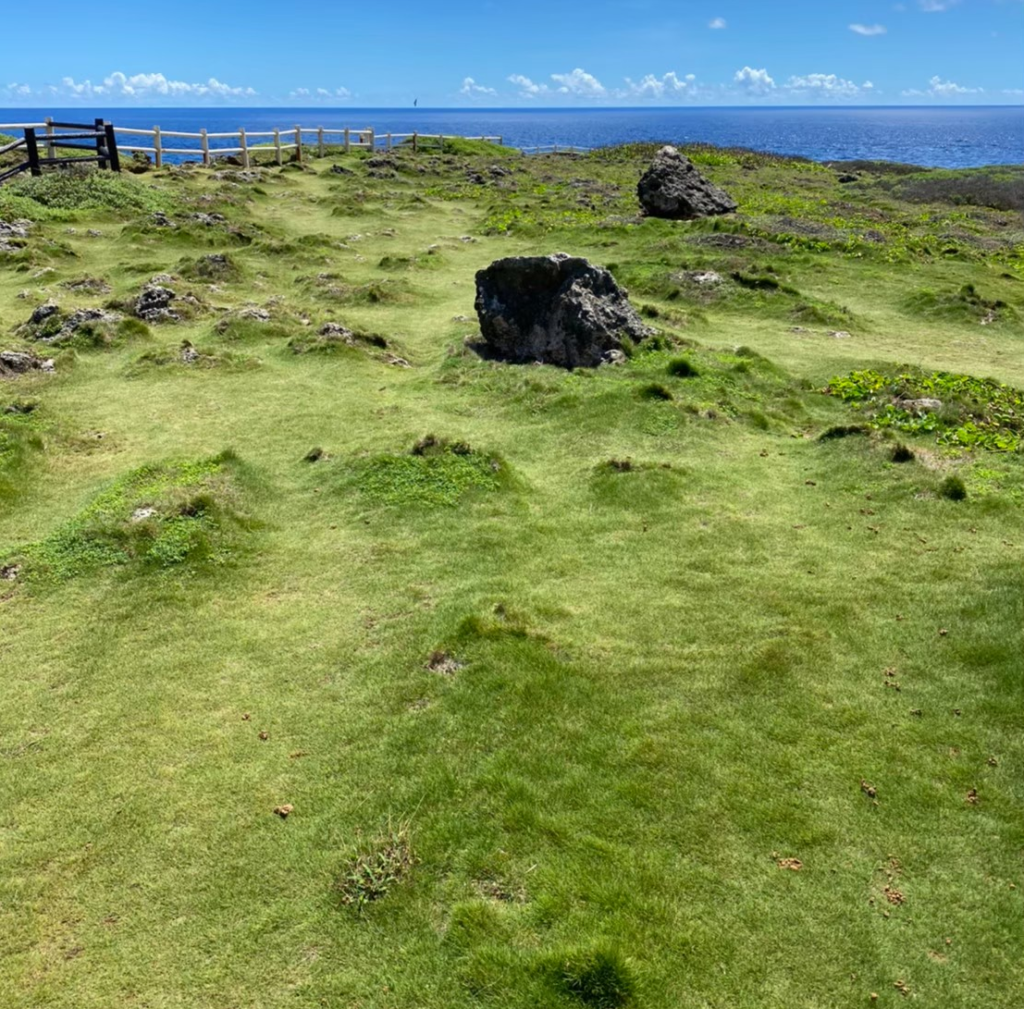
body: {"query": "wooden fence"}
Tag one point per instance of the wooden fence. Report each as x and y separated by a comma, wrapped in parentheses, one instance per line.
(302, 140)
(101, 146)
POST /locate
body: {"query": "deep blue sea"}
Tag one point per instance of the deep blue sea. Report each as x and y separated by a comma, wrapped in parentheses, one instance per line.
(959, 137)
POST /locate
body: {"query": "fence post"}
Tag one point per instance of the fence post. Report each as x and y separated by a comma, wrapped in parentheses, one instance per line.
(49, 137)
(244, 144)
(320, 140)
(387, 142)
(501, 141)
(415, 142)
(346, 140)
(204, 143)
(33, 151)
(440, 141)
(100, 153)
(112, 155)
(373, 139)
(298, 144)
(277, 146)
(158, 151)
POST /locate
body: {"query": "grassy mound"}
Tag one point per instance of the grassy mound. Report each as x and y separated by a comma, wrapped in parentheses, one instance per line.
(435, 473)
(159, 516)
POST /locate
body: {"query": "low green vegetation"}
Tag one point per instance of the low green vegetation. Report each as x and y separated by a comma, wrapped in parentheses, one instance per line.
(343, 666)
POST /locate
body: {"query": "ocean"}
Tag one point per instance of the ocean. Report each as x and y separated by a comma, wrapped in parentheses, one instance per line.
(946, 137)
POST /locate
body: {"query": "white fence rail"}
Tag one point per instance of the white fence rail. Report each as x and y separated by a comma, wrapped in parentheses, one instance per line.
(302, 140)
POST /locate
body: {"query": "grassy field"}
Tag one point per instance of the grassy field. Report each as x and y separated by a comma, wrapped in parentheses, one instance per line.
(367, 673)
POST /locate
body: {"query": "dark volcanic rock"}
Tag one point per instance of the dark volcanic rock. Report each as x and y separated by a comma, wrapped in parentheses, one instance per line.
(154, 303)
(555, 309)
(673, 188)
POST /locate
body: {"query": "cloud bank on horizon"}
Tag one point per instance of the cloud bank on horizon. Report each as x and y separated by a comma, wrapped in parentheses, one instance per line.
(717, 52)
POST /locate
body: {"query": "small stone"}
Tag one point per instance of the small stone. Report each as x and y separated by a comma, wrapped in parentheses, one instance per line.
(141, 514)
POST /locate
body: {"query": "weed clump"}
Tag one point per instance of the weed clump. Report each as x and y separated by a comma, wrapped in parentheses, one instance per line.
(656, 391)
(953, 488)
(902, 454)
(681, 367)
(371, 874)
(599, 977)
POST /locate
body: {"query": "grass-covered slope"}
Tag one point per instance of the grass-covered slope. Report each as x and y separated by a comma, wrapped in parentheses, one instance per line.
(341, 667)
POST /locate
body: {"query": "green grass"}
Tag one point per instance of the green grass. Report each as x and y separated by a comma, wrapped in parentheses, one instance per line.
(554, 693)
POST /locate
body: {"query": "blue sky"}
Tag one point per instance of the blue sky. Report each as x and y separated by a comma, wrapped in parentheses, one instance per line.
(556, 53)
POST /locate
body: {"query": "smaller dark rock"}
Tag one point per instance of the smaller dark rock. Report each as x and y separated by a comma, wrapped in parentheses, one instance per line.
(673, 188)
(154, 304)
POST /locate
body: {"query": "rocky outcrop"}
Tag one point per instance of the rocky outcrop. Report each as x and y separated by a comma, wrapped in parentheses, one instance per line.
(673, 188)
(154, 304)
(50, 324)
(555, 309)
(16, 362)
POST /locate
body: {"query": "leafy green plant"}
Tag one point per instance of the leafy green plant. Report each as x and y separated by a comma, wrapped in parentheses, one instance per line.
(960, 410)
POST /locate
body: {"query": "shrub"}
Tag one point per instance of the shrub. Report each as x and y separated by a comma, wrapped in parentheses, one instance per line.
(901, 454)
(89, 190)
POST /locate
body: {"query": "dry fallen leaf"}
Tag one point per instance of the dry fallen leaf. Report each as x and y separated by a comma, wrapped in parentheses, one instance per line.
(790, 863)
(264, 735)
(868, 790)
(972, 797)
(246, 717)
(283, 811)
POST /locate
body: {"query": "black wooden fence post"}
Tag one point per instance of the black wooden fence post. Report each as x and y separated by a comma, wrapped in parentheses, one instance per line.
(115, 160)
(32, 148)
(100, 136)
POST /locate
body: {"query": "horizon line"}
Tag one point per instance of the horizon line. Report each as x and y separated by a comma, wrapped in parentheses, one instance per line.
(510, 108)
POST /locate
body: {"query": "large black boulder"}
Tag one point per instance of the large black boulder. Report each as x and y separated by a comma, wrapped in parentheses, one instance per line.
(673, 188)
(556, 309)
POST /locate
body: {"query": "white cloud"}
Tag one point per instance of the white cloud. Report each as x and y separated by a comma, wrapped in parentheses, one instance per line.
(1017, 92)
(470, 89)
(120, 88)
(527, 88)
(321, 94)
(938, 88)
(658, 87)
(756, 82)
(718, 24)
(580, 84)
(868, 30)
(826, 84)
(935, 6)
